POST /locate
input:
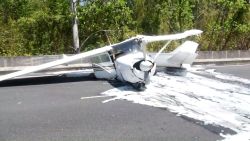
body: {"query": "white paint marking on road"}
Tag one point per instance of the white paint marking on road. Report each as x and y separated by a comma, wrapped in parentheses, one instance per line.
(94, 97)
(211, 97)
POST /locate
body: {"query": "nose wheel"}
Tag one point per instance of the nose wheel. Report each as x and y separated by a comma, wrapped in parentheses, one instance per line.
(139, 86)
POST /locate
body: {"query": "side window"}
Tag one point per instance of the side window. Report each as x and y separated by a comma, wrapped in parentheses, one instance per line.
(102, 58)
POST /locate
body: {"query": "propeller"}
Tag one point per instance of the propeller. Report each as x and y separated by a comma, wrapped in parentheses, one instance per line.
(145, 65)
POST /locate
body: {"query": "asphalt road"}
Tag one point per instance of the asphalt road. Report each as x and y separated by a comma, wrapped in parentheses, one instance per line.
(237, 70)
(51, 109)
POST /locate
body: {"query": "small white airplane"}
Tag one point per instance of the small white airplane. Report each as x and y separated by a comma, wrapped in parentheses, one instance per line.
(128, 61)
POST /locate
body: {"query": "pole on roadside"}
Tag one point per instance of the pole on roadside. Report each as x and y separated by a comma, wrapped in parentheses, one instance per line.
(75, 26)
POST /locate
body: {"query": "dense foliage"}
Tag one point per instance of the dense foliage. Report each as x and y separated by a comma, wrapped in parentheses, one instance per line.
(34, 27)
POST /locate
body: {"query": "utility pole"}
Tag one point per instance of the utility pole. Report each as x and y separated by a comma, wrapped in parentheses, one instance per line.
(75, 26)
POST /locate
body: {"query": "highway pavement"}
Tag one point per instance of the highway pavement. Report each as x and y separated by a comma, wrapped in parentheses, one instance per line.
(59, 109)
(242, 70)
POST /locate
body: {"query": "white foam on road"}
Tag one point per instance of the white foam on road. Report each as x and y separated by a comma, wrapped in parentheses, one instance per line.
(214, 100)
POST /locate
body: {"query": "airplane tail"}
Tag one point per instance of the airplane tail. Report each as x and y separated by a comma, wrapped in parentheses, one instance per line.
(184, 54)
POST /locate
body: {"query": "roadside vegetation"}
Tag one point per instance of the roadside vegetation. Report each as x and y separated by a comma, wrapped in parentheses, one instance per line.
(38, 27)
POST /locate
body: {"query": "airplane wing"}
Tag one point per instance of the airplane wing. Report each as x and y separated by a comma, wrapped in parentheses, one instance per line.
(56, 63)
(149, 39)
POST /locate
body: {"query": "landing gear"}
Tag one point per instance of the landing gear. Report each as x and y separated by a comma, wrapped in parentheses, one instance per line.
(139, 86)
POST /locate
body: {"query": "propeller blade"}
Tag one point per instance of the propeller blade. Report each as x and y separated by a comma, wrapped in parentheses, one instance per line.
(146, 75)
(143, 46)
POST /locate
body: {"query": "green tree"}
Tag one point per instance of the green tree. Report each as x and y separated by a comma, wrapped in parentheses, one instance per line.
(98, 15)
(47, 30)
(11, 41)
(177, 16)
(226, 24)
(32, 27)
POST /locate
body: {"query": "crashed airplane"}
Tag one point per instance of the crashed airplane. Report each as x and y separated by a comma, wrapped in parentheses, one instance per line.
(128, 61)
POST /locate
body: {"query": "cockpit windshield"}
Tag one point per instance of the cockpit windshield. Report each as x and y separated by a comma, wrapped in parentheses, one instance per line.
(127, 46)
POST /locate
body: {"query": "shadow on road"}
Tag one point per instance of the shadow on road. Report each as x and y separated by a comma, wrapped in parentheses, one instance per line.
(54, 80)
(45, 80)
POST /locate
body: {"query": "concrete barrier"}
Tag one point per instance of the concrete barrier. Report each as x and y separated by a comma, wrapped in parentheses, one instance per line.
(204, 57)
(223, 57)
(223, 54)
(34, 60)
